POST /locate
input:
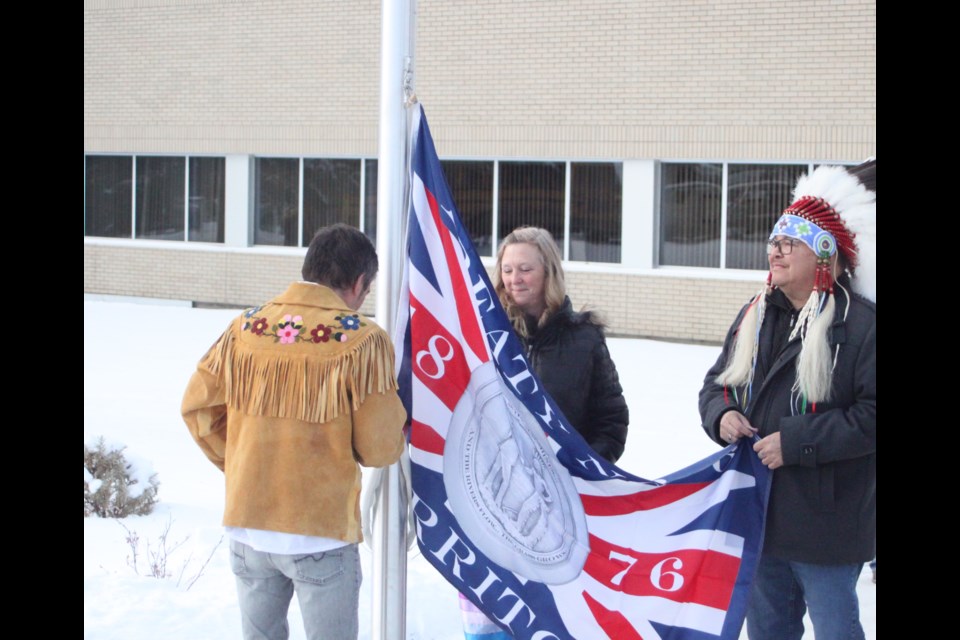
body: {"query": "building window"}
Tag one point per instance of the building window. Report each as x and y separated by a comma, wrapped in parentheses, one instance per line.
(719, 215)
(183, 198)
(579, 203)
(370, 200)
(756, 195)
(206, 200)
(276, 210)
(160, 184)
(154, 197)
(287, 215)
(596, 194)
(108, 196)
(532, 194)
(471, 184)
(331, 194)
(690, 202)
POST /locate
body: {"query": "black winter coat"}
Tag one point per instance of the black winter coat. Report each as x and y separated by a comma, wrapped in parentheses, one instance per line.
(570, 356)
(823, 501)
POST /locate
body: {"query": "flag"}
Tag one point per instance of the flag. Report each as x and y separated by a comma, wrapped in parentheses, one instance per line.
(510, 503)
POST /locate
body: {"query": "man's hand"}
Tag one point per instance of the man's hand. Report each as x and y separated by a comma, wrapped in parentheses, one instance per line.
(769, 451)
(734, 425)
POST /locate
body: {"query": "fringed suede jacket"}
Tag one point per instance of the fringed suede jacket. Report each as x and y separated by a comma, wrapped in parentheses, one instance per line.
(290, 398)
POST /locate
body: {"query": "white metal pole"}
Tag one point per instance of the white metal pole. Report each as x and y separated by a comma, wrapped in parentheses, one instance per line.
(389, 527)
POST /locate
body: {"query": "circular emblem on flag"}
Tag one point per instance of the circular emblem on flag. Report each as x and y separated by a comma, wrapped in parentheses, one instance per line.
(508, 491)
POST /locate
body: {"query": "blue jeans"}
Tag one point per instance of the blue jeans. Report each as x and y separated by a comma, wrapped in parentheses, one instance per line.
(327, 586)
(783, 591)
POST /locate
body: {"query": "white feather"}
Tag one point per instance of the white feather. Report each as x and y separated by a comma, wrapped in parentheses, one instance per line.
(858, 208)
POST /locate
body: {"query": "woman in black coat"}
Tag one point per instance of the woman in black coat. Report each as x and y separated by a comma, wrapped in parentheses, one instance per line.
(567, 349)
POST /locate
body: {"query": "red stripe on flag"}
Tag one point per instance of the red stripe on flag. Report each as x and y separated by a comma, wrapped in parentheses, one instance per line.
(469, 325)
(613, 623)
(640, 501)
(425, 438)
(437, 357)
(684, 575)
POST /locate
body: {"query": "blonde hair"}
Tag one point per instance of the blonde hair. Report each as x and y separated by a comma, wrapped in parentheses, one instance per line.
(554, 288)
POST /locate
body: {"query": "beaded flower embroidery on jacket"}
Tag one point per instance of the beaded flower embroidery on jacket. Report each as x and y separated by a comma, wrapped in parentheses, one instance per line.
(291, 330)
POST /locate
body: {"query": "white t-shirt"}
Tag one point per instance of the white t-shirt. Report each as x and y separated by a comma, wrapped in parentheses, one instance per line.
(289, 544)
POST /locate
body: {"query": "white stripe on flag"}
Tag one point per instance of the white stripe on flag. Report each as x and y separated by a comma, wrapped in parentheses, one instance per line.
(611, 487)
(425, 459)
(429, 410)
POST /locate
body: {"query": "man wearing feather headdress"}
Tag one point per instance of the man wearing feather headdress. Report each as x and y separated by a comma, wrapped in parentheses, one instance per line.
(798, 375)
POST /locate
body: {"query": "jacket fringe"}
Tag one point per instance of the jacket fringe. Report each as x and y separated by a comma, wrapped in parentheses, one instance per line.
(300, 386)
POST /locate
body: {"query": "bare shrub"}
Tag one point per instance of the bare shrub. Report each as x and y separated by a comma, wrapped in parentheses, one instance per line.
(112, 486)
(157, 556)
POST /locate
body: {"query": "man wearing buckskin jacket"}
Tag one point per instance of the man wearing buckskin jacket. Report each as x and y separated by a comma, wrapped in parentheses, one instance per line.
(287, 402)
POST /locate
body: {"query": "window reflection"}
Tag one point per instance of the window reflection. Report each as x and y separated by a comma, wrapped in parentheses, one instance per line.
(531, 194)
(108, 193)
(331, 194)
(690, 214)
(206, 200)
(596, 194)
(160, 197)
(276, 206)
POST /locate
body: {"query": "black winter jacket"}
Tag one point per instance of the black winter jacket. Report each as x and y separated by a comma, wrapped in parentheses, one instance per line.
(570, 356)
(823, 501)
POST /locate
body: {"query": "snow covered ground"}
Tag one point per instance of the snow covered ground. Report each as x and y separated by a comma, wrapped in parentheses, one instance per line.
(137, 359)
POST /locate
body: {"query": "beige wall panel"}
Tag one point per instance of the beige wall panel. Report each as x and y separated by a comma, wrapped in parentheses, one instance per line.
(691, 79)
(200, 276)
(233, 76)
(626, 79)
(632, 305)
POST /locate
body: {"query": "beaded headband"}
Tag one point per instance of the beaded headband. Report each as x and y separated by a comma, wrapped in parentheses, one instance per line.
(819, 212)
(821, 242)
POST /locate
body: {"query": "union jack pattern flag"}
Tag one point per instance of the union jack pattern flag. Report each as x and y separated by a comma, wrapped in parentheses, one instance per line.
(513, 507)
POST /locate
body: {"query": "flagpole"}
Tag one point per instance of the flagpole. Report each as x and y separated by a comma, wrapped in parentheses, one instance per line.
(396, 79)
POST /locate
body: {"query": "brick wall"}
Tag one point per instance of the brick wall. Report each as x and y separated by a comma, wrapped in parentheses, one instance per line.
(727, 79)
(683, 308)
(231, 76)
(652, 305)
(697, 79)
